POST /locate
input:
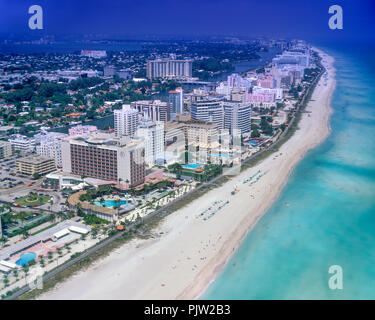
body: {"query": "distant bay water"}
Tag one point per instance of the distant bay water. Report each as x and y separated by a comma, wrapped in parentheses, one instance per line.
(102, 124)
(244, 66)
(326, 213)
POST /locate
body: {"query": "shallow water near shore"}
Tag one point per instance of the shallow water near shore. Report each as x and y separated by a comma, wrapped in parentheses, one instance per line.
(326, 213)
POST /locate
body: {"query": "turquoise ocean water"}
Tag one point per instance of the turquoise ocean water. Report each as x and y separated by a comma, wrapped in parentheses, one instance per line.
(326, 213)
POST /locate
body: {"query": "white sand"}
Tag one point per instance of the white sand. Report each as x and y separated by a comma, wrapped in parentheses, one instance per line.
(188, 256)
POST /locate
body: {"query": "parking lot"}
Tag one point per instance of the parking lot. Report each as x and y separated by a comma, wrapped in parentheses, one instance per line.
(8, 174)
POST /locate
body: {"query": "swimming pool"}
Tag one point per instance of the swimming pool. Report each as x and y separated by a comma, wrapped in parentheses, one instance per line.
(192, 166)
(109, 203)
(26, 258)
(220, 155)
(254, 142)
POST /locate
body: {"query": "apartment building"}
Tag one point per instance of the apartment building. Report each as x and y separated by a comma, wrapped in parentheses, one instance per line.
(154, 110)
(126, 120)
(169, 68)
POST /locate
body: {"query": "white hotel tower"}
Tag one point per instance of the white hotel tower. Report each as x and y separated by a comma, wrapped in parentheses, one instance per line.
(126, 121)
(152, 134)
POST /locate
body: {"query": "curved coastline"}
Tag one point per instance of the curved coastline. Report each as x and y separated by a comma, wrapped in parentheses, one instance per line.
(167, 268)
(193, 291)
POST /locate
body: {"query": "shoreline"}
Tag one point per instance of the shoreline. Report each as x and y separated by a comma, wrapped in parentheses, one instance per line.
(168, 268)
(192, 293)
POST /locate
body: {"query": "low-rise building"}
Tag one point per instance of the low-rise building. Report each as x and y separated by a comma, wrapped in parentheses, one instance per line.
(35, 165)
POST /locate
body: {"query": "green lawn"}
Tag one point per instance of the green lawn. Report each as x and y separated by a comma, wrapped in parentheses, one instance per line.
(31, 201)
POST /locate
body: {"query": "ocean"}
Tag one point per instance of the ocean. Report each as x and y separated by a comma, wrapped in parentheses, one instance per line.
(325, 215)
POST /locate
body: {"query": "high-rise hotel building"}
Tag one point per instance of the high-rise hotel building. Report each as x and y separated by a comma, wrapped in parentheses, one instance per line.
(168, 68)
(104, 156)
(176, 100)
(209, 110)
(152, 134)
(237, 116)
(126, 120)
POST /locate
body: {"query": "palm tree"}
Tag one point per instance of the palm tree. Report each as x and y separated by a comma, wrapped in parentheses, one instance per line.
(41, 260)
(59, 252)
(25, 234)
(25, 269)
(132, 190)
(94, 232)
(176, 168)
(5, 280)
(79, 209)
(67, 247)
(61, 215)
(50, 205)
(22, 216)
(50, 255)
(15, 273)
(3, 241)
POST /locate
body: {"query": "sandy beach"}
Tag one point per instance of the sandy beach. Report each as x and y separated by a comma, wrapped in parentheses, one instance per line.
(191, 250)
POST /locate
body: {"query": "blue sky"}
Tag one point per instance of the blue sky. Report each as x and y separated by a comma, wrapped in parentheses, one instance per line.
(307, 19)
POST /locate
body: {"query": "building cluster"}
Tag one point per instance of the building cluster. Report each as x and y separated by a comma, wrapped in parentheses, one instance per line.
(266, 89)
(201, 124)
(289, 67)
(110, 71)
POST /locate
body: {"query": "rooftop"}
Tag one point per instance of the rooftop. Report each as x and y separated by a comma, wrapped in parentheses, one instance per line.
(42, 236)
(103, 140)
(34, 159)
